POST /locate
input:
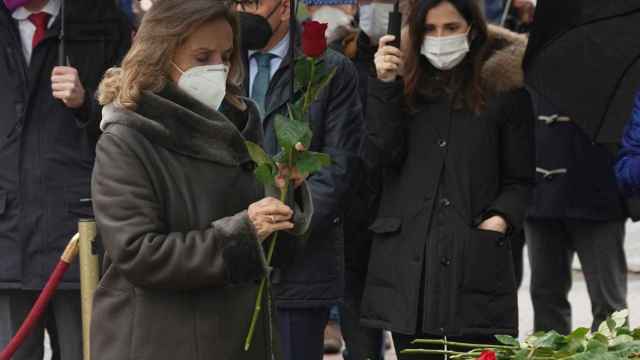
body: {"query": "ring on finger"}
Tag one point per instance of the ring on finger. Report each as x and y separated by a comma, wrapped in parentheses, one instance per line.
(273, 219)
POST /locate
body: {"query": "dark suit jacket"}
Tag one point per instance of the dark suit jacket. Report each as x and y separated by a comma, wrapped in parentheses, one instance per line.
(315, 276)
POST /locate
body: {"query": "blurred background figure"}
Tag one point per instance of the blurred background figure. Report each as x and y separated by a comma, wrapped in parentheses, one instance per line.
(347, 33)
(516, 15)
(628, 163)
(48, 130)
(135, 9)
(576, 208)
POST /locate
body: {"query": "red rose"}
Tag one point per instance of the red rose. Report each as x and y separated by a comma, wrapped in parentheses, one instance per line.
(487, 355)
(314, 43)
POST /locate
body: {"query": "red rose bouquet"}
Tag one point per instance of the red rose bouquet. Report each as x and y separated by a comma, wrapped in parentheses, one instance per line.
(614, 340)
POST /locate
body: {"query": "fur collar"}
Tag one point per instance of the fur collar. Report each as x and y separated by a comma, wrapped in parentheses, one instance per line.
(503, 69)
(176, 121)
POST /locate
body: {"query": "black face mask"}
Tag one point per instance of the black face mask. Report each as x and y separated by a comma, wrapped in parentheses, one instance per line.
(255, 31)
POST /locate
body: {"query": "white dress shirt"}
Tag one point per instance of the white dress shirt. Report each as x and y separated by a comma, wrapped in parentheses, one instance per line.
(26, 27)
(280, 51)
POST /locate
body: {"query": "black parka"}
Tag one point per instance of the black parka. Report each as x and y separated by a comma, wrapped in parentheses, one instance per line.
(445, 171)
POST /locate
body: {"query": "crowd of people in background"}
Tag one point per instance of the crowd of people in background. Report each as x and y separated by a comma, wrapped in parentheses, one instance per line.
(443, 166)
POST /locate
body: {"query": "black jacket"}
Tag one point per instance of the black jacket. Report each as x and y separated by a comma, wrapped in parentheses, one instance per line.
(47, 149)
(437, 189)
(575, 177)
(316, 275)
(367, 178)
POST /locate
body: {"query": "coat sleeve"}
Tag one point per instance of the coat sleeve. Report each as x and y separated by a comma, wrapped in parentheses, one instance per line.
(628, 165)
(385, 142)
(142, 247)
(517, 159)
(340, 140)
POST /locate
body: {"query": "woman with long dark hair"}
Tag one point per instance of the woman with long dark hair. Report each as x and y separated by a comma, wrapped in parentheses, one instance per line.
(452, 127)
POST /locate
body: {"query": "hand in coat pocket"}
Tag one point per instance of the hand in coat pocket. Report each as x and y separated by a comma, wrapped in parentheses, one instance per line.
(495, 223)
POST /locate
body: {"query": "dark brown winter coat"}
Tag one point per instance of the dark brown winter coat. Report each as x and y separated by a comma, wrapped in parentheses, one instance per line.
(171, 186)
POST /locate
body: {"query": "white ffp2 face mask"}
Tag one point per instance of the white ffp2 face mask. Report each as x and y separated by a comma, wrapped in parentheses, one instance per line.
(374, 20)
(207, 84)
(445, 52)
(338, 22)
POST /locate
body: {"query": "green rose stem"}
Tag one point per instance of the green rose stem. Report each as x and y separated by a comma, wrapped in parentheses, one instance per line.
(463, 345)
(258, 306)
(307, 94)
(427, 351)
(459, 355)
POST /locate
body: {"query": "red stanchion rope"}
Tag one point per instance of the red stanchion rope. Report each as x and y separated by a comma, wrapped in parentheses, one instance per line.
(39, 307)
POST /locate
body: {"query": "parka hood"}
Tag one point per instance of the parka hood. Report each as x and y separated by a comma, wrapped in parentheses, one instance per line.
(503, 69)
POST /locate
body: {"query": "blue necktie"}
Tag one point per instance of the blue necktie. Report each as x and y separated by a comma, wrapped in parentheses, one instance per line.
(261, 81)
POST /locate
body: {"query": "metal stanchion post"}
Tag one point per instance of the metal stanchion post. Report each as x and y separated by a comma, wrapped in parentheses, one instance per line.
(89, 273)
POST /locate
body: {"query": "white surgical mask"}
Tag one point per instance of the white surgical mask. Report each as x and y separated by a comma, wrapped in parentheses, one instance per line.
(207, 84)
(338, 22)
(374, 20)
(445, 52)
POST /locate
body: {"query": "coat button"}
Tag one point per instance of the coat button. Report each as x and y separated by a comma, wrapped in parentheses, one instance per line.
(501, 243)
(442, 143)
(249, 166)
(336, 221)
(445, 261)
(445, 202)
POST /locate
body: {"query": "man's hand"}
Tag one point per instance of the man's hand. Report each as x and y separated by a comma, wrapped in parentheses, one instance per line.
(295, 176)
(66, 86)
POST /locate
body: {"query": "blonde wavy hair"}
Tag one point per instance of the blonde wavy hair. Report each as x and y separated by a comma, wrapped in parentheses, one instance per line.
(164, 28)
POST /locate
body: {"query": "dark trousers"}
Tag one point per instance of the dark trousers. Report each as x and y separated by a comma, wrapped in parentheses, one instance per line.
(63, 312)
(403, 342)
(302, 332)
(362, 343)
(600, 248)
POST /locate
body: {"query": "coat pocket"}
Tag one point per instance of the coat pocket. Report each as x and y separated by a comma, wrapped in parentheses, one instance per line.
(488, 263)
(386, 233)
(386, 226)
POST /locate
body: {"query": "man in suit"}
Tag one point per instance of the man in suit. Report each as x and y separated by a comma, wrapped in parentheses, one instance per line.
(313, 281)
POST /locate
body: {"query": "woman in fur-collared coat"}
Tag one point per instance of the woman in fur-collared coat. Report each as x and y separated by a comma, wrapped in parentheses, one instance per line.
(179, 211)
(454, 135)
